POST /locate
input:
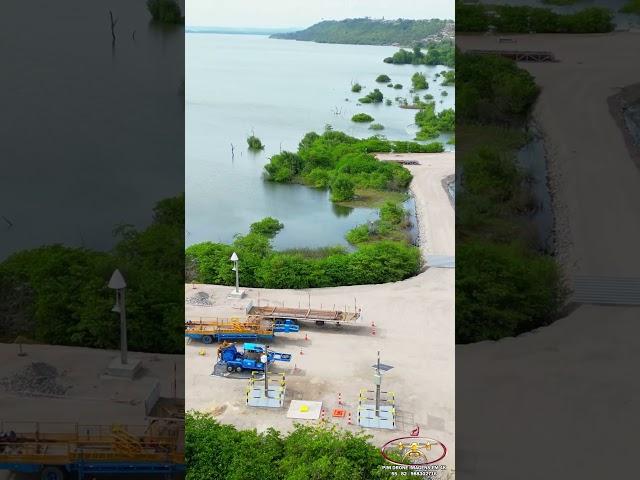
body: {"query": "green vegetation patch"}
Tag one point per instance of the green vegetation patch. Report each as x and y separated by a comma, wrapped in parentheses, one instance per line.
(261, 266)
(165, 11)
(419, 81)
(526, 19)
(376, 126)
(61, 297)
(449, 78)
(432, 124)
(362, 118)
(632, 6)
(438, 53)
(504, 285)
(356, 88)
(375, 96)
(320, 158)
(383, 79)
(214, 451)
(398, 86)
(254, 143)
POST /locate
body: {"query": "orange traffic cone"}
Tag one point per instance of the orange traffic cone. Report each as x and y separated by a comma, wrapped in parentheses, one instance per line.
(306, 337)
(301, 352)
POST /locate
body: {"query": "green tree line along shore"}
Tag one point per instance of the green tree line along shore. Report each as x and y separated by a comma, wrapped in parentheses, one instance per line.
(215, 451)
(345, 166)
(504, 284)
(58, 295)
(438, 53)
(368, 31)
(526, 19)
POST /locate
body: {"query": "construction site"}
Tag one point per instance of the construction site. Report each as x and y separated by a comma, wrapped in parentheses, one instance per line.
(64, 414)
(372, 358)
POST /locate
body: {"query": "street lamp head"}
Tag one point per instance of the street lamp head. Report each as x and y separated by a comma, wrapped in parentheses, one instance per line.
(117, 281)
(234, 257)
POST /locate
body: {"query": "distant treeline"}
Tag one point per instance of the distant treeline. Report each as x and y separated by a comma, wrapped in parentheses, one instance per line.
(525, 19)
(368, 31)
(438, 53)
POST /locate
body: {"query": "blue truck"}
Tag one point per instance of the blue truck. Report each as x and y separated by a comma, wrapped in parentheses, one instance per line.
(251, 358)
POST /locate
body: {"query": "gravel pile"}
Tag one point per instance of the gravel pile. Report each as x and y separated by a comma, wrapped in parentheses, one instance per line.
(200, 299)
(39, 378)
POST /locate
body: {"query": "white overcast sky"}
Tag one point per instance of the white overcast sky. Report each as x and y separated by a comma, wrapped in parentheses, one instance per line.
(303, 13)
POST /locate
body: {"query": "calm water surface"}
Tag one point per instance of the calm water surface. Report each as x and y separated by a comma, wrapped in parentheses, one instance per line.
(280, 90)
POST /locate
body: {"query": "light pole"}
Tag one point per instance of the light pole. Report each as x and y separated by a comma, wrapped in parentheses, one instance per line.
(118, 284)
(234, 259)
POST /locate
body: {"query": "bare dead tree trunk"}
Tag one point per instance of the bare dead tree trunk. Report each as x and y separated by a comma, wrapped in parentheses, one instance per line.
(232, 152)
(114, 22)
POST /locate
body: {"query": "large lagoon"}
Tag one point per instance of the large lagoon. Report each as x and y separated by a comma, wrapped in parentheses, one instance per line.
(279, 90)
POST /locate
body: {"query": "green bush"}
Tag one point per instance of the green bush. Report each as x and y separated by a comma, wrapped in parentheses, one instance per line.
(376, 126)
(398, 86)
(503, 290)
(449, 78)
(362, 117)
(419, 81)
(356, 88)
(254, 143)
(383, 79)
(165, 11)
(214, 451)
(342, 188)
(375, 96)
(268, 227)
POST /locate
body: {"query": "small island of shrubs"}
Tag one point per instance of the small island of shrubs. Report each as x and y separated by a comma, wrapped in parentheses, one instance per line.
(383, 79)
(356, 88)
(375, 96)
(419, 81)
(254, 143)
(362, 118)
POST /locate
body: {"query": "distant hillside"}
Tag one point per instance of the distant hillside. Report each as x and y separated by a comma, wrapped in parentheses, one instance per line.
(367, 31)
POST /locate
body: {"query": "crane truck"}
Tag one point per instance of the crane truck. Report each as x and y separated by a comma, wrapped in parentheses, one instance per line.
(253, 357)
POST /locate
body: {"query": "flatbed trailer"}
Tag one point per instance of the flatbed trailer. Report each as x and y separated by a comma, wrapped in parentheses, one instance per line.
(319, 316)
(57, 450)
(254, 327)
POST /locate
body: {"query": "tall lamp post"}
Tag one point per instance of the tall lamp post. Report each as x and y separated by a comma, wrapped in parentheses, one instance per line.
(118, 284)
(237, 293)
(234, 259)
(122, 367)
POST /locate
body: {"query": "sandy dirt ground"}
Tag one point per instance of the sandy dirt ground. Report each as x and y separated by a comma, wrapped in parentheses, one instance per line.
(91, 397)
(414, 331)
(556, 403)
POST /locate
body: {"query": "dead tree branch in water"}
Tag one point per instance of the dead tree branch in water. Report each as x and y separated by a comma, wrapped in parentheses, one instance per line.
(113, 27)
(232, 152)
(9, 222)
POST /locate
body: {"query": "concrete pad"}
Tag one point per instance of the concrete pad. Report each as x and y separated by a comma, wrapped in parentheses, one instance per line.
(126, 370)
(273, 399)
(297, 410)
